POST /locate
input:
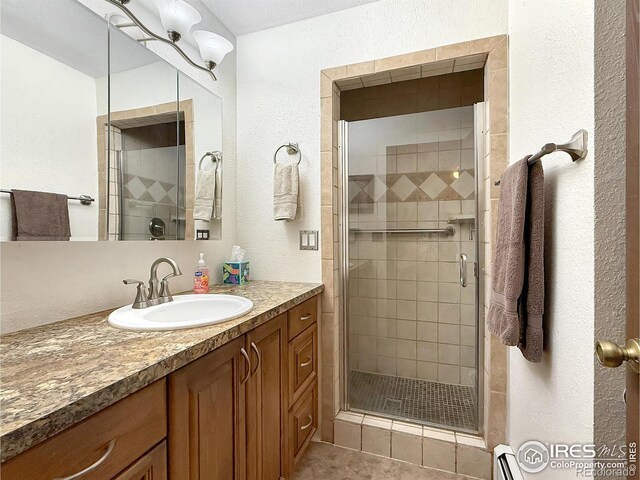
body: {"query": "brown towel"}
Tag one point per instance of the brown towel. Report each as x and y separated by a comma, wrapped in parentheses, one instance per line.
(39, 216)
(517, 296)
(531, 340)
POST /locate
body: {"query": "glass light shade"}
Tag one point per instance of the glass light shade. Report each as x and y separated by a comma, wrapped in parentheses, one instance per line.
(213, 47)
(177, 15)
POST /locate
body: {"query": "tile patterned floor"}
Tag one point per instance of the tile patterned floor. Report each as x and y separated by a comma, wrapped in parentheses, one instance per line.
(424, 401)
(323, 461)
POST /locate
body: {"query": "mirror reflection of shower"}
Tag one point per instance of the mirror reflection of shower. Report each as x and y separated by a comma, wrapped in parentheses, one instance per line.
(150, 173)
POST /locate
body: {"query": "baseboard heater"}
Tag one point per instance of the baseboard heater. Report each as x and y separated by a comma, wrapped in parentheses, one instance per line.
(505, 466)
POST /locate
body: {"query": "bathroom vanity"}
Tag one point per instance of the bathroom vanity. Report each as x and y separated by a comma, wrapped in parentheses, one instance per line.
(236, 400)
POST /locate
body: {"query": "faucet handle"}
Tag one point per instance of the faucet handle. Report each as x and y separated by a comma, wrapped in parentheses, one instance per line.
(141, 300)
(164, 288)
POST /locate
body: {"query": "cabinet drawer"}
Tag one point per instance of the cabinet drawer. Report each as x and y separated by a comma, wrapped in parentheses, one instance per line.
(109, 441)
(303, 362)
(302, 316)
(153, 466)
(303, 421)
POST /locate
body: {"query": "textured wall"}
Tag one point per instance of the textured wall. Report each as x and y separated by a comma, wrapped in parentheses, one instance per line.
(278, 90)
(610, 301)
(551, 96)
(78, 278)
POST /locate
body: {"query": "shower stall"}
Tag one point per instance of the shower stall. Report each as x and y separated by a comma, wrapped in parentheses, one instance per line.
(409, 267)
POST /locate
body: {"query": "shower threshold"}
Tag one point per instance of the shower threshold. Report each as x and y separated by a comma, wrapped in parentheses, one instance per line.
(413, 400)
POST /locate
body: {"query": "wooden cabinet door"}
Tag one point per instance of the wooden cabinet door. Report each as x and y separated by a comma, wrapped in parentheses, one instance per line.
(207, 416)
(151, 466)
(266, 405)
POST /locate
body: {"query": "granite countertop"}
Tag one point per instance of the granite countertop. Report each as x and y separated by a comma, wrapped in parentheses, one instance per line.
(56, 375)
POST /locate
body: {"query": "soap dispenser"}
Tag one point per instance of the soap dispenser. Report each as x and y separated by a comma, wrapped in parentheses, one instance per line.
(201, 278)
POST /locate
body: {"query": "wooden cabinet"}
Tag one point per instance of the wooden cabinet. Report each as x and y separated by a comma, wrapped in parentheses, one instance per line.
(207, 416)
(266, 401)
(302, 316)
(245, 411)
(152, 466)
(303, 362)
(303, 379)
(303, 423)
(101, 445)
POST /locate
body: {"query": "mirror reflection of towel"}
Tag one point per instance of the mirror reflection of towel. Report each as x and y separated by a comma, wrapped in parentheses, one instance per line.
(39, 216)
(205, 191)
(217, 204)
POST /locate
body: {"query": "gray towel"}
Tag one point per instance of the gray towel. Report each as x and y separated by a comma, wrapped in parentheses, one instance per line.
(285, 191)
(39, 216)
(517, 296)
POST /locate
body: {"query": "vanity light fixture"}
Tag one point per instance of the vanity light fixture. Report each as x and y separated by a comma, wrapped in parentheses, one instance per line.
(213, 47)
(177, 18)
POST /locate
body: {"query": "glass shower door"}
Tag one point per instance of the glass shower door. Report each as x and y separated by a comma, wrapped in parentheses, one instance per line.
(409, 258)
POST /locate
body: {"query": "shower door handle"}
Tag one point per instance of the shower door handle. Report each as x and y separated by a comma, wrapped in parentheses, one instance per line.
(463, 270)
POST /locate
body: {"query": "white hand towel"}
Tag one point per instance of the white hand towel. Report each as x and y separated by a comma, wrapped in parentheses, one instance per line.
(205, 191)
(217, 205)
(285, 191)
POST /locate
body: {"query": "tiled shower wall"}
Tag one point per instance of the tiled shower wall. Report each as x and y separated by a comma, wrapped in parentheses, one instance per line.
(408, 314)
(154, 175)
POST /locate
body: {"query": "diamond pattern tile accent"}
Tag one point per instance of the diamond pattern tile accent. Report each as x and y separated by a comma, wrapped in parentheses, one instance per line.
(433, 186)
(136, 187)
(378, 189)
(464, 184)
(403, 187)
(420, 186)
(149, 190)
(157, 192)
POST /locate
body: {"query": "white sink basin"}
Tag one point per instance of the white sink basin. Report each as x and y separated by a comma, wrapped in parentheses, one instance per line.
(186, 311)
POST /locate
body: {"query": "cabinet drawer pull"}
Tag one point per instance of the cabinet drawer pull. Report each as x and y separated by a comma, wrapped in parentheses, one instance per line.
(305, 317)
(308, 362)
(246, 359)
(95, 465)
(254, 347)
(304, 427)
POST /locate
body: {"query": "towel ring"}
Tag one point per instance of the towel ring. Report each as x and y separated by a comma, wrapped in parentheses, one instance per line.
(291, 149)
(216, 157)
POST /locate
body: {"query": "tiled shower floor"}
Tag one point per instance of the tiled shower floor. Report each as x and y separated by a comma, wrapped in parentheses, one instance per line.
(419, 400)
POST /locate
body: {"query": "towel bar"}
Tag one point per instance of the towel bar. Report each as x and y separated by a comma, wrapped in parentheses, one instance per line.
(84, 199)
(292, 148)
(576, 148)
(216, 157)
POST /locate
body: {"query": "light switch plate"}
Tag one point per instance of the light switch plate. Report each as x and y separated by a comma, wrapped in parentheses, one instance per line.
(308, 239)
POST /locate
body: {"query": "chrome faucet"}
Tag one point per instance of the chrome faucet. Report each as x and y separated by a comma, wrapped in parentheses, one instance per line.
(158, 291)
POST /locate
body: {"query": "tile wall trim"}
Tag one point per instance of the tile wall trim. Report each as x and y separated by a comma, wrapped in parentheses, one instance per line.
(438, 449)
(495, 162)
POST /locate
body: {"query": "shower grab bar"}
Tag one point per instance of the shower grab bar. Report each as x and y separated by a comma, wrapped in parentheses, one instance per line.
(463, 270)
(442, 231)
(84, 199)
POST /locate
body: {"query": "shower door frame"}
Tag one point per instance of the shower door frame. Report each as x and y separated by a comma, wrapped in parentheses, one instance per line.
(479, 269)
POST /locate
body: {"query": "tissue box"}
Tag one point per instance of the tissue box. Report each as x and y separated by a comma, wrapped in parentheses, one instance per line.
(235, 273)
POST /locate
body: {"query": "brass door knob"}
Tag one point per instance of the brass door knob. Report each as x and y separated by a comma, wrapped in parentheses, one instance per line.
(612, 355)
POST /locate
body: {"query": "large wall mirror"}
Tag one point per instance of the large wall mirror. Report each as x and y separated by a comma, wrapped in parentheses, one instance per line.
(118, 130)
